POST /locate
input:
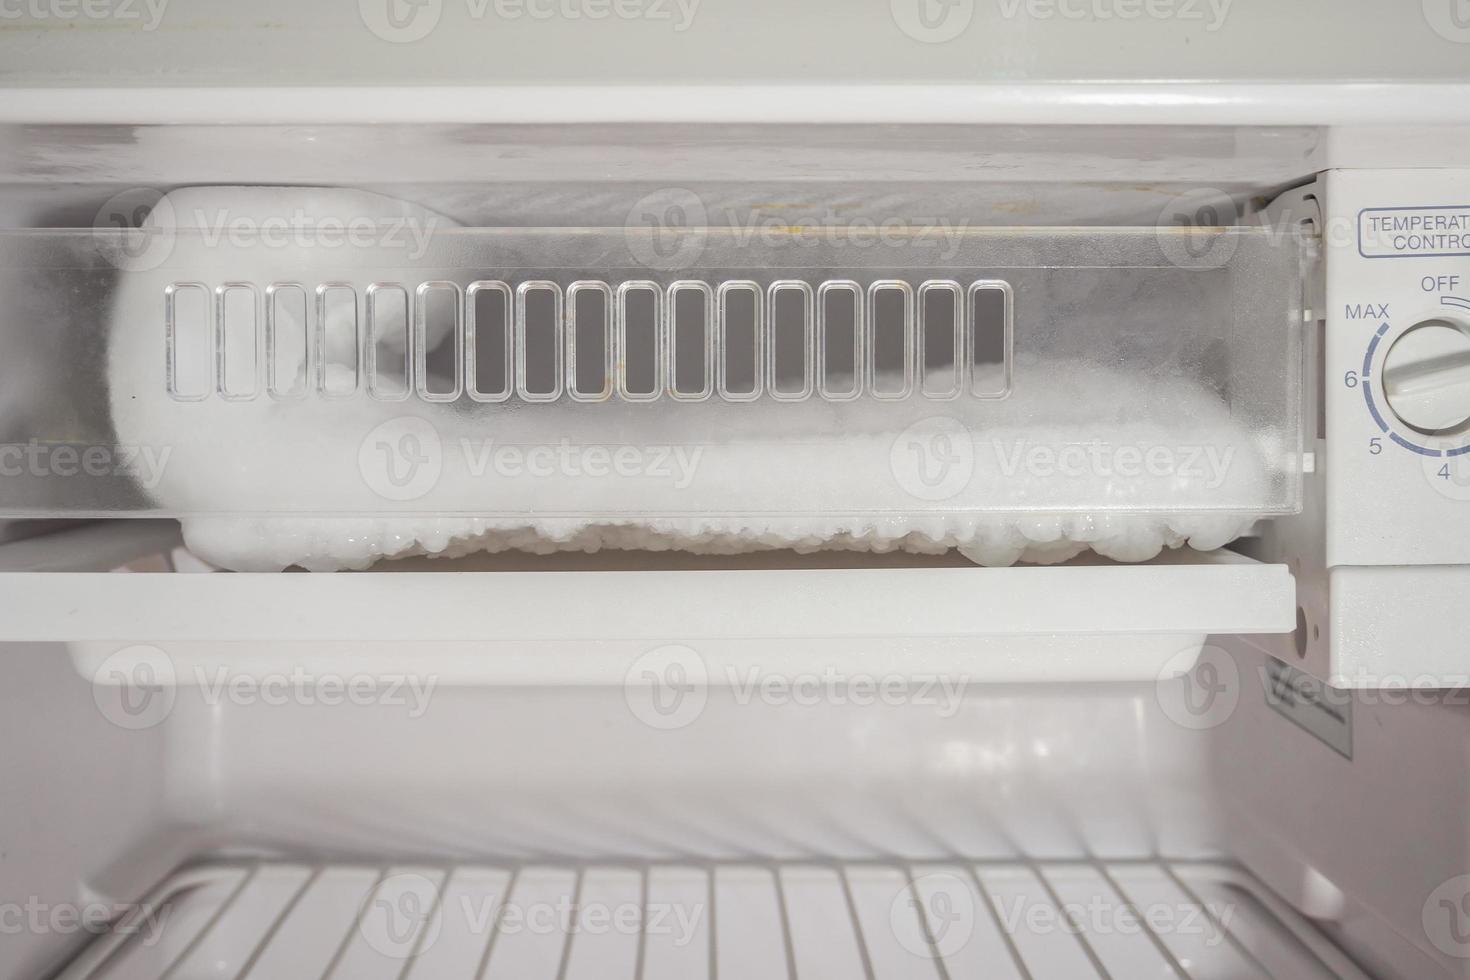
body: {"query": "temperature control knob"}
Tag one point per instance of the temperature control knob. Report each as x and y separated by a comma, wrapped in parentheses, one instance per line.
(1426, 376)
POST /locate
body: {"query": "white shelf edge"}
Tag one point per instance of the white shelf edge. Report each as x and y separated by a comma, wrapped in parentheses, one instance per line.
(1208, 595)
(1117, 103)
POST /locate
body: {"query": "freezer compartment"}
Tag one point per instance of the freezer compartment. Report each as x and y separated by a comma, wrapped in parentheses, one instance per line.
(417, 386)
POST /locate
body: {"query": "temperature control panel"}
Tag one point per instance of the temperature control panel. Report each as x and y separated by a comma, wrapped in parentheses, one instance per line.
(1397, 398)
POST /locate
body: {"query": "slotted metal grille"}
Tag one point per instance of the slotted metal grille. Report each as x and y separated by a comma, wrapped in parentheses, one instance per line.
(948, 921)
(638, 340)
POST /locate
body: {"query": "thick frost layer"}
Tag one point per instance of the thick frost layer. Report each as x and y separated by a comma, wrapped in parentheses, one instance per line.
(1083, 454)
(328, 544)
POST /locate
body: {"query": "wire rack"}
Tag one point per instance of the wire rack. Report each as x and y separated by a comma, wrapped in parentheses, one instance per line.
(947, 921)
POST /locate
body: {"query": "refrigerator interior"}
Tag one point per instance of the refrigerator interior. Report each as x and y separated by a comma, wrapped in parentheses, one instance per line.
(646, 763)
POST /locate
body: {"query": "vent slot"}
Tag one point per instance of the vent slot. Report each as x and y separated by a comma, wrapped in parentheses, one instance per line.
(539, 341)
(186, 319)
(287, 344)
(489, 341)
(640, 341)
(388, 342)
(789, 368)
(238, 342)
(336, 362)
(590, 341)
(740, 334)
(840, 340)
(691, 340)
(941, 338)
(990, 339)
(891, 351)
(439, 341)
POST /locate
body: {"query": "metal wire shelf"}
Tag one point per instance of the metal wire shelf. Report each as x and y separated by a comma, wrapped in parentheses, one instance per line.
(949, 921)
